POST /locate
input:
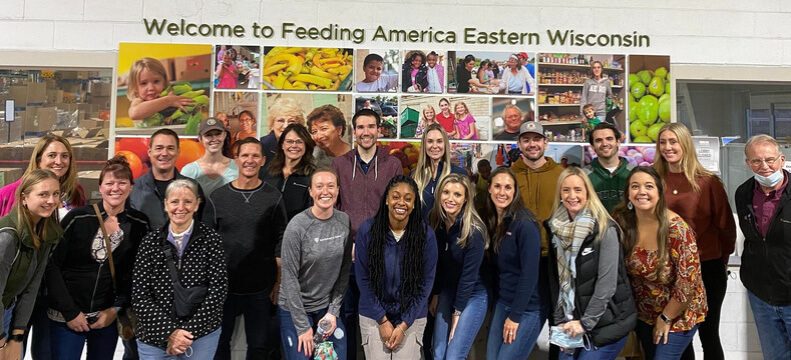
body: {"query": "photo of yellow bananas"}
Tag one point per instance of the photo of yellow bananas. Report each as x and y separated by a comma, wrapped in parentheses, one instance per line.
(303, 68)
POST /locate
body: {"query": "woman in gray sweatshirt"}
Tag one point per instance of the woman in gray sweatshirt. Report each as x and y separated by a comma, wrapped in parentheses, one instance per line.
(316, 256)
(596, 90)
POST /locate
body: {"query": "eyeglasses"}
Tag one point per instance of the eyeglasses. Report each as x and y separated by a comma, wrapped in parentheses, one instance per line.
(294, 142)
(757, 162)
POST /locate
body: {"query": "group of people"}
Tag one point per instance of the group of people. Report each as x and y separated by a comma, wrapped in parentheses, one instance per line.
(459, 124)
(346, 250)
(517, 77)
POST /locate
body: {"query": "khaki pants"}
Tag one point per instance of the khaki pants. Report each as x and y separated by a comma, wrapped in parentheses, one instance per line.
(411, 347)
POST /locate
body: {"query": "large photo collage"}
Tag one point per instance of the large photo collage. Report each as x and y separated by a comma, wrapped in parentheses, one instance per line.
(479, 98)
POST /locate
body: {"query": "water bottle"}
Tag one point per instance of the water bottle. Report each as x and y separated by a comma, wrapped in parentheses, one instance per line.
(324, 326)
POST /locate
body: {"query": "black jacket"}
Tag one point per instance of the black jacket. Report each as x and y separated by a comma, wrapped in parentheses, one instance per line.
(146, 198)
(766, 261)
(296, 197)
(75, 281)
(202, 263)
(620, 316)
(421, 78)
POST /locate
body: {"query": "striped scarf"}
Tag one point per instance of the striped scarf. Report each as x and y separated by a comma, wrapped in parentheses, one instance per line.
(568, 235)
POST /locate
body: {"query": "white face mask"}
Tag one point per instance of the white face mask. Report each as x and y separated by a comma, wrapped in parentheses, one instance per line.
(771, 180)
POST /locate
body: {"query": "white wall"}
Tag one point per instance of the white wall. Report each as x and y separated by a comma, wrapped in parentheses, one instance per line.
(725, 32)
(731, 39)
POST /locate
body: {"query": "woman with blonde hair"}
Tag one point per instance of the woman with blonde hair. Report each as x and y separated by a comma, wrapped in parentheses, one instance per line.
(464, 124)
(662, 261)
(462, 241)
(283, 112)
(433, 164)
(589, 287)
(700, 198)
(429, 117)
(28, 233)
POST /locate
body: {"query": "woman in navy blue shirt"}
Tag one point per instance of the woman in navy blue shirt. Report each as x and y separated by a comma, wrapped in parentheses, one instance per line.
(461, 240)
(433, 164)
(396, 261)
(515, 252)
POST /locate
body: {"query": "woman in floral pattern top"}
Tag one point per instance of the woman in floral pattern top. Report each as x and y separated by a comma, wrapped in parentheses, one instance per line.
(664, 269)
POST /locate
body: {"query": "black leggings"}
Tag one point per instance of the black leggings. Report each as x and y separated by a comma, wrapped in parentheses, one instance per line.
(715, 280)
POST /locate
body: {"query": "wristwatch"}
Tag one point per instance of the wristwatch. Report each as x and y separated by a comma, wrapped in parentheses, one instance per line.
(664, 318)
(16, 337)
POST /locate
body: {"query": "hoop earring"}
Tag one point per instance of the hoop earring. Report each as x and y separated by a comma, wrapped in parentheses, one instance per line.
(629, 206)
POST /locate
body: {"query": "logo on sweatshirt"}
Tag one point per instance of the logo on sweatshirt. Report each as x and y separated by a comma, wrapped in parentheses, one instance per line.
(318, 240)
(587, 251)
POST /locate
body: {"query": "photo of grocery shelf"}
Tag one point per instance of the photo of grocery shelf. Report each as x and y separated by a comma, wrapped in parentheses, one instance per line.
(570, 83)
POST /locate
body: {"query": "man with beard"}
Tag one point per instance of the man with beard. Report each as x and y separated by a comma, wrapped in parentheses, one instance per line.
(251, 217)
(608, 172)
(363, 174)
(537, 177)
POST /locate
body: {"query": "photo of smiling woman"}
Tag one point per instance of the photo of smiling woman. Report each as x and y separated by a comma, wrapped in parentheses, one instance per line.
(327, 126)
(661, 258)
(316, 258)
(85, 294)
(396, 258)
(514, 255)
(591, 297)
(213, 169)
(29, 233)
(462, 299)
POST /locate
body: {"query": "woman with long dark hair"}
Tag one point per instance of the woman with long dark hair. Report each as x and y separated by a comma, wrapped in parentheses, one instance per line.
(85, 289)
(662, 260)
(291, 168)
(515, 252)
(396, 258)
(463, 300)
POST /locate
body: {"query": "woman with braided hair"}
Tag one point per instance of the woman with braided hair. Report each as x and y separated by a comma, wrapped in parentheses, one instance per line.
(396, 258)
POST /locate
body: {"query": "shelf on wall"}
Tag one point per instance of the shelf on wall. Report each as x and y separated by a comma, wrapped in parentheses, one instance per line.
(551, 105)
(577, 85)
(550, 123)
(576, 66)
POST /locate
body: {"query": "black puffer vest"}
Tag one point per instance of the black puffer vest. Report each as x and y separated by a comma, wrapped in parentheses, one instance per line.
(621, 314)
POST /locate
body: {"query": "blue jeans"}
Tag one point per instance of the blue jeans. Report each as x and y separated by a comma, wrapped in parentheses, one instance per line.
(467, 328)
(203, 348)
(289, 337)
(67, 344)
(676, 343)
(774, 328)
(530, 323)
(255, 308)
(7, 315)
(606, 352)
(351, 302)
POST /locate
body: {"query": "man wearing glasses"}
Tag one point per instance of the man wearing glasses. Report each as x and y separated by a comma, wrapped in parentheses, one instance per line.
(763, 204)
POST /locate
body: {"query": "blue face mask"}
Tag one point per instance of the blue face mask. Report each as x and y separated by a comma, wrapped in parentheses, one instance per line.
(559, 337)
(771, 180)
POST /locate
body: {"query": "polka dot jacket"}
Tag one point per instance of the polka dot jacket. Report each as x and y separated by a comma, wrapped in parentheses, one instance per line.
(203, 262)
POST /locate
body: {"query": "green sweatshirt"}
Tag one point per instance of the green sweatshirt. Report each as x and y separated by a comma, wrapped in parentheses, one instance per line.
(609, 186)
